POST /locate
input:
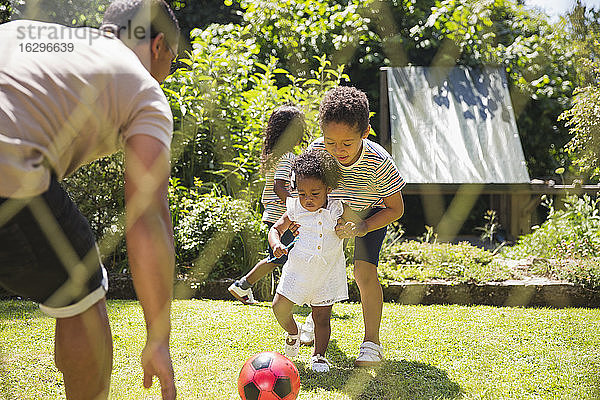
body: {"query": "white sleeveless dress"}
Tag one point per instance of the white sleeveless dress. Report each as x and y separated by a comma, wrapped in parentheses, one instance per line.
(315, 273)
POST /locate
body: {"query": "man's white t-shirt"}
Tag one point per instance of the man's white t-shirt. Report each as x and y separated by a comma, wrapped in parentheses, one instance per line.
(78, 100)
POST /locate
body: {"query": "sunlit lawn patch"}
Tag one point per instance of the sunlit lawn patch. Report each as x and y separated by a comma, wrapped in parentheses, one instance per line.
(433, 352)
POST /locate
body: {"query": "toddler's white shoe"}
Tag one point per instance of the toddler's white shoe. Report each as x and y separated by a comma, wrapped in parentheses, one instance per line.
(307, 338)
(318, 363)
(243, 295)
(292, 343)
(370, 355)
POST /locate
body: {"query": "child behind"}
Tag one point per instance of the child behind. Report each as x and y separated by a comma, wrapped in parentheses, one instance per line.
(285, 130)
(315, 272)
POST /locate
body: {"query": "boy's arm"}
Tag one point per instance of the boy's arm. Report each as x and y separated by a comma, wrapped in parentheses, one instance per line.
(279, 187)
(349, 215)
(394, 209)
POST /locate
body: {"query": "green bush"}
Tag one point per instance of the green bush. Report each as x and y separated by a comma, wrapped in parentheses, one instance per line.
(583, 272)
(366, 35)
(572, 232)
(215, 236)
(413, 260)
(221, 99)
(567, 245)
(98, 191)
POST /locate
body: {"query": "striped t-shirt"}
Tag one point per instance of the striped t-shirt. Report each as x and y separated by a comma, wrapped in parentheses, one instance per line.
(369, 180)
(274, 207)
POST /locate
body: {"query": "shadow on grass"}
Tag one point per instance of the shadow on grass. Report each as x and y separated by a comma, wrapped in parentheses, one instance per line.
(393, 380)
(305, 310)
(16, 309)
(299, 310)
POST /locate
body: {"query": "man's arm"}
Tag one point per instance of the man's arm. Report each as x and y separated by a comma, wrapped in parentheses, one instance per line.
(151, 251)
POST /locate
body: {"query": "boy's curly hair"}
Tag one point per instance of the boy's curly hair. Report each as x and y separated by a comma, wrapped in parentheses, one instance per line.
(345, 104)
(318, 164)
(286, 127)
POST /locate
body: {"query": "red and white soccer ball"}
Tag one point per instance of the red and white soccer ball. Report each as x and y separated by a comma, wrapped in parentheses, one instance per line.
(269, 376)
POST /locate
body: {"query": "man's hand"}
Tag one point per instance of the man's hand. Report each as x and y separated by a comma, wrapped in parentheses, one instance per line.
(348, 229)
(156, 361)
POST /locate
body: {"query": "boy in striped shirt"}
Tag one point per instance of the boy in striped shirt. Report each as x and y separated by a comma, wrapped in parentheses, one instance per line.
(371, 186)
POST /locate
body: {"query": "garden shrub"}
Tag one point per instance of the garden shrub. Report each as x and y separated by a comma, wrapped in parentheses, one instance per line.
(222, 96)
(462, 262)
(567, 243)
(215, 236)
(572, 232)
(98, 191)
(583, 272)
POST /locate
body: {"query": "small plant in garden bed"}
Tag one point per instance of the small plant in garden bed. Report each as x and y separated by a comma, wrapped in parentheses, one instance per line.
(572, 232)
(585, 272)
(413, 260)
(567, 245)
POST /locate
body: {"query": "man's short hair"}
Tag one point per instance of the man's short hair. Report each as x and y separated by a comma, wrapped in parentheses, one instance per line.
(130, 20)
(345, 104)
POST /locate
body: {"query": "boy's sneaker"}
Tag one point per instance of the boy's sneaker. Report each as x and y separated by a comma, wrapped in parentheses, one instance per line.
(292, 343)
(318, 363)
(307, 338)
(243, 295)
(370, 355)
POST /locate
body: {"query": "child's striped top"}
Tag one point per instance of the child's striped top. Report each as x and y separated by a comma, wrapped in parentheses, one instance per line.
(274, 207)
(372, 177)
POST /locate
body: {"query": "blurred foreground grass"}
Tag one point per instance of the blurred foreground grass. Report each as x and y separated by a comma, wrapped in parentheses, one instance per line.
(433, 352)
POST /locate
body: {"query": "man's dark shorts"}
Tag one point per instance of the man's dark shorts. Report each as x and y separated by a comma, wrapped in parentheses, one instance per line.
(367, 248)
(286, 239)
(48, 253)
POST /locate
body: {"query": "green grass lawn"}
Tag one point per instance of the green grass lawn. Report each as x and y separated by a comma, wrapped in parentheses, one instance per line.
(433, 352)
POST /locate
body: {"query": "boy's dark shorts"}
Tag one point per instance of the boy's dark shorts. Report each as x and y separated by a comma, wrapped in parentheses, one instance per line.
(367, 248)
(286, 239)
(48, 253)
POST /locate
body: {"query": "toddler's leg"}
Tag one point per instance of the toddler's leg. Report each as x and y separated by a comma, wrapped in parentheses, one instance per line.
(282, 308)
(322, 318)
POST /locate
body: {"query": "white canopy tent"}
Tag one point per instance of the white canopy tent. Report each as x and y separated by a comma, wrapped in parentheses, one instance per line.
(452, 131)
(454, 125)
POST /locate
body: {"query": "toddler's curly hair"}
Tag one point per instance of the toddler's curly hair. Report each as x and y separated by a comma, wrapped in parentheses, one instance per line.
(318, 164)
(345, 104)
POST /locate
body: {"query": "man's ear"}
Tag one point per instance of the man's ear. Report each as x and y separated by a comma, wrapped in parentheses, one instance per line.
(156, 45)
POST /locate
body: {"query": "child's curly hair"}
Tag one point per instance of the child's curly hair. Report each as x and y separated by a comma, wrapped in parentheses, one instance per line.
(318, 164)
(345, 104)
(286, 127)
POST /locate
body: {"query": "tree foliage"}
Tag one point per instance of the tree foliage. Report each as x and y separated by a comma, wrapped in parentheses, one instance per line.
(6, 10)
(222, 97)
(583, 118)
(65, 12)
(368, 35)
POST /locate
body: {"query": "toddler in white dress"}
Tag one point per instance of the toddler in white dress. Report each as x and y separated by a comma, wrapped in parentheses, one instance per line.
(315, 272)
